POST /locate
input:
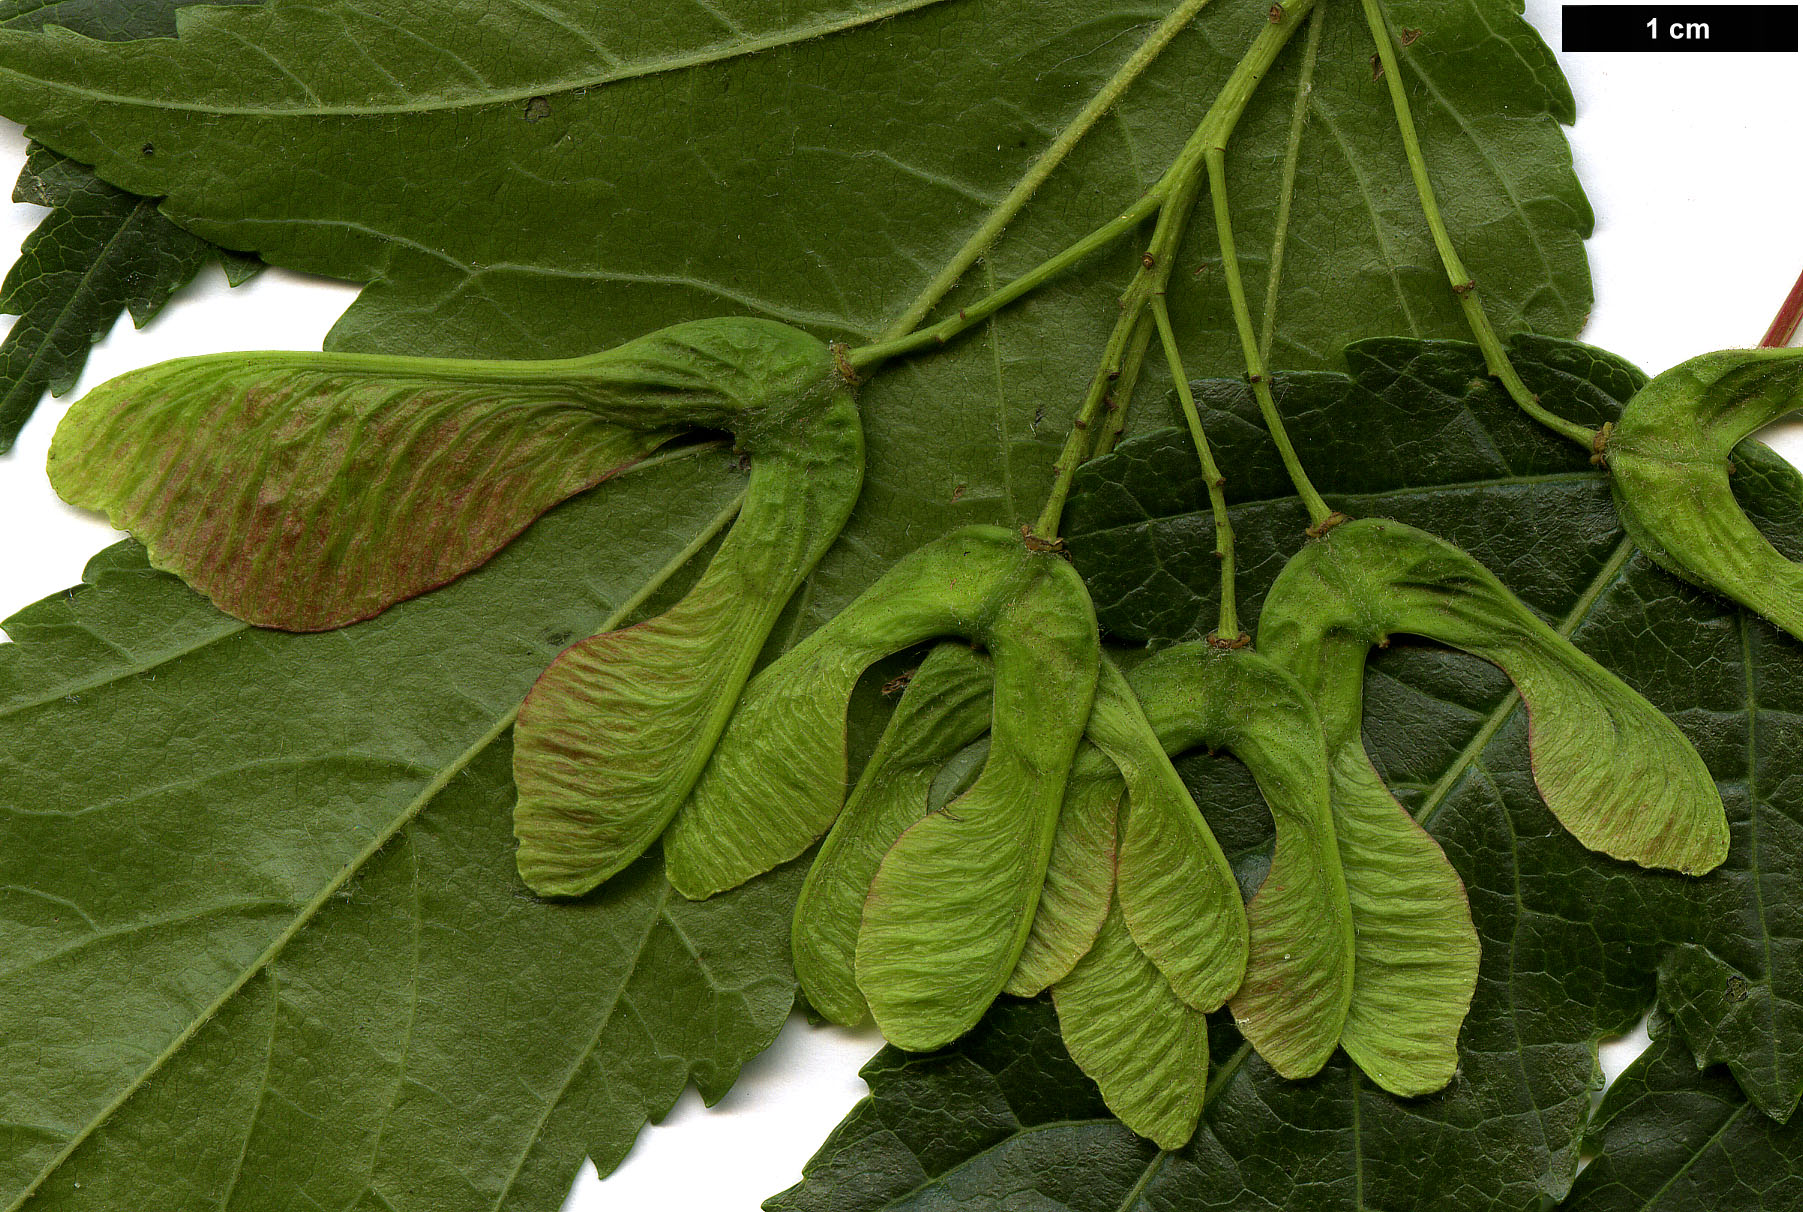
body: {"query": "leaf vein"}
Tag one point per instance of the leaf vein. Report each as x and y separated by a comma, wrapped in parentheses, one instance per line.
(655, 66)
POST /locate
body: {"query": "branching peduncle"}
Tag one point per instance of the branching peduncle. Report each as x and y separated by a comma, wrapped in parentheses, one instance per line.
(1227, 630)
(1054, 155)
(1286, 194)
(1176, 194)
(1319, 514)
(1463, 284)
(904, 338)
(866, 357)
(1115, 418)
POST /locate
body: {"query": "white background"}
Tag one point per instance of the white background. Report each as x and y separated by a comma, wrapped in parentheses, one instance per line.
(1693, 165)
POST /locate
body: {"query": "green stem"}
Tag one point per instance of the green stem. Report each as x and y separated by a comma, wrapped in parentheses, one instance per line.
(866, 357)
(1176, 193)
(1215, 125)
(1305, 84)
(1496, 359)
(1095, 400)
(1161, 256)
(1228, 629)
(1318, 511)
(1122, 393)
(992, 228)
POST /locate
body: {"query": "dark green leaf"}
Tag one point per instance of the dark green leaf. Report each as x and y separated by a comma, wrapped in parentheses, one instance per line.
(97, 253)
(100, 251)
(954, 1118)
(1672, 1138)
(1571, 940)
(107, 20)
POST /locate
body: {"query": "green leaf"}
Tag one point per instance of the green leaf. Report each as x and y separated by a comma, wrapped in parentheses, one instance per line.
(571, 177)
(100, 251)
(264, 922)
(577, 175)
(1572, 941)
(1672, 1138)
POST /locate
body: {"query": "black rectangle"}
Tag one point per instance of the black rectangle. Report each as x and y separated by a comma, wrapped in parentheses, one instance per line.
(1679, 27)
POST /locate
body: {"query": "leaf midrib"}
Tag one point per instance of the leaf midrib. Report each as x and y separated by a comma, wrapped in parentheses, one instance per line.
(301, 921)
(718, 52)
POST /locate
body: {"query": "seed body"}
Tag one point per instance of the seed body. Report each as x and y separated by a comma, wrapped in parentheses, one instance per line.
(1298, 984)
(615, 733)
(945, 708)
(1669, 457)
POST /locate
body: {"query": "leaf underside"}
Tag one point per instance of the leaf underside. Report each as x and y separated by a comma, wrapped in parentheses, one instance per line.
(504, 203)
(320, 856)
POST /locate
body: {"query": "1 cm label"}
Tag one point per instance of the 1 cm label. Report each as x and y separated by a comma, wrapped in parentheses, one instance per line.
(1680, 31)
(1664, 29)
